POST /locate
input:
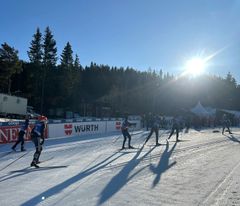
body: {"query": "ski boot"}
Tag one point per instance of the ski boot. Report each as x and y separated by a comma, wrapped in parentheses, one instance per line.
(22, 149)
(34, 164)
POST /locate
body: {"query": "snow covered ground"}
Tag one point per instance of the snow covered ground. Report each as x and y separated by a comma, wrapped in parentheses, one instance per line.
(202, 169)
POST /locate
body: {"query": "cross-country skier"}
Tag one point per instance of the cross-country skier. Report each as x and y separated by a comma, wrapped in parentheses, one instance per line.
(37, 135)
(155, 124)
(175, 126)
(125, 125)
(21, 134)
(226, 124)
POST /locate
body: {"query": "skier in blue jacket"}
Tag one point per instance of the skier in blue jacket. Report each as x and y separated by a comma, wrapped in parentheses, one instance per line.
(37, 135)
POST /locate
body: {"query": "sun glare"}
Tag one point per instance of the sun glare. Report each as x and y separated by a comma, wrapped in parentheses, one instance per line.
(195, 66)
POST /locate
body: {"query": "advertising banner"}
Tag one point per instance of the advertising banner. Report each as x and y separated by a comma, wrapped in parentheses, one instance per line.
(67, 128)
(76, 129)
(10, 133)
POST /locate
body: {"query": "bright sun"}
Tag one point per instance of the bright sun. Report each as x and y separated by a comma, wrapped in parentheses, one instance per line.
(195, 66)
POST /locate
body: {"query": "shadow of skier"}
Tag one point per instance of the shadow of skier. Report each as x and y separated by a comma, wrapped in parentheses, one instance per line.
(58, 188)
(163, 164)
(232, 138)
(28, 170)
(123, 177)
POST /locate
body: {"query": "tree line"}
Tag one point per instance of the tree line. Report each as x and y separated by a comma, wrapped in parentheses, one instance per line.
(103, 90)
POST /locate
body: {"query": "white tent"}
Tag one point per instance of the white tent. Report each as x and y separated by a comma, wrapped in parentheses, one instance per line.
(211, 110)
(200, 111)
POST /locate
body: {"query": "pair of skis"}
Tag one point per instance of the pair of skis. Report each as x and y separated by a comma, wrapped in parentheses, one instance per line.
(39, 162)
(29, 168)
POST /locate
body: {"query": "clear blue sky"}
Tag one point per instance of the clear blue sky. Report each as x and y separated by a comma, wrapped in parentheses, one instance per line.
(161, 34)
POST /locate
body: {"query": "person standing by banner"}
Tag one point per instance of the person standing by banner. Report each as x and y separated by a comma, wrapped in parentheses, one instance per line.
(21, 134)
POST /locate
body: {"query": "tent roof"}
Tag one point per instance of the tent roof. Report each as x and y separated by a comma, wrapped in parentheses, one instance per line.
(199, 110)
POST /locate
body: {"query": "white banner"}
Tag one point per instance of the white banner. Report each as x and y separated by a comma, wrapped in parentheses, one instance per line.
(76, 129)
(9, 130)
(86, 128)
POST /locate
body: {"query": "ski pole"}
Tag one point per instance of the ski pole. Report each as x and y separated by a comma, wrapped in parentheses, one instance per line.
(14, 161)
(116, 139)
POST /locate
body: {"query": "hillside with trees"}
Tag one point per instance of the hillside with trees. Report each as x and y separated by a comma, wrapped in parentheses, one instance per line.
(103, 90)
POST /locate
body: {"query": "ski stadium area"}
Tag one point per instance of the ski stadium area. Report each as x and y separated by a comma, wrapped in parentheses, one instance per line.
(201, 169)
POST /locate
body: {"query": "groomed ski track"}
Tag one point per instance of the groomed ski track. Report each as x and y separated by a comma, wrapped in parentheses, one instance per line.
(202, 169)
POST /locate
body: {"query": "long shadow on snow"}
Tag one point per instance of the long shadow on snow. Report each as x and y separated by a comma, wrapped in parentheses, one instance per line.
(121, 179)
(232, 138)
(58, 188)
(163, 164)
(27, 170)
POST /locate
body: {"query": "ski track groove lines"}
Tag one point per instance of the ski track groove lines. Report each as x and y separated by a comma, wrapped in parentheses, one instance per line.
(202, 169)
(181, 187)
(217, 196)
(220, 145)
(187, 150)
(13, 161)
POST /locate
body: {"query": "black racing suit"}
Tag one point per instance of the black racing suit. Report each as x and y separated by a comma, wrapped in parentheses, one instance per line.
(125, 133)
(175, 126)
(154, 128)
(21, 135)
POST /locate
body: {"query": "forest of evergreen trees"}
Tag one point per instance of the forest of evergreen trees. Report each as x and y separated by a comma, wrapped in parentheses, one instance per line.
(102, 90)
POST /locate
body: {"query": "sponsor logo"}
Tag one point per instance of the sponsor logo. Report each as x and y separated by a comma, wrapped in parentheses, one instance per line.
(86, 128)
(118, 125)
(10, 134)
(68, 129)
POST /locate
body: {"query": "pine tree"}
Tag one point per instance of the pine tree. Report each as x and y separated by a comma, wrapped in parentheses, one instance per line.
(161, 74)
(49, 60)
(9, 65)
(76, 64)
(50, 49)
(66, 57)
(35, 53)
(231, 80)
